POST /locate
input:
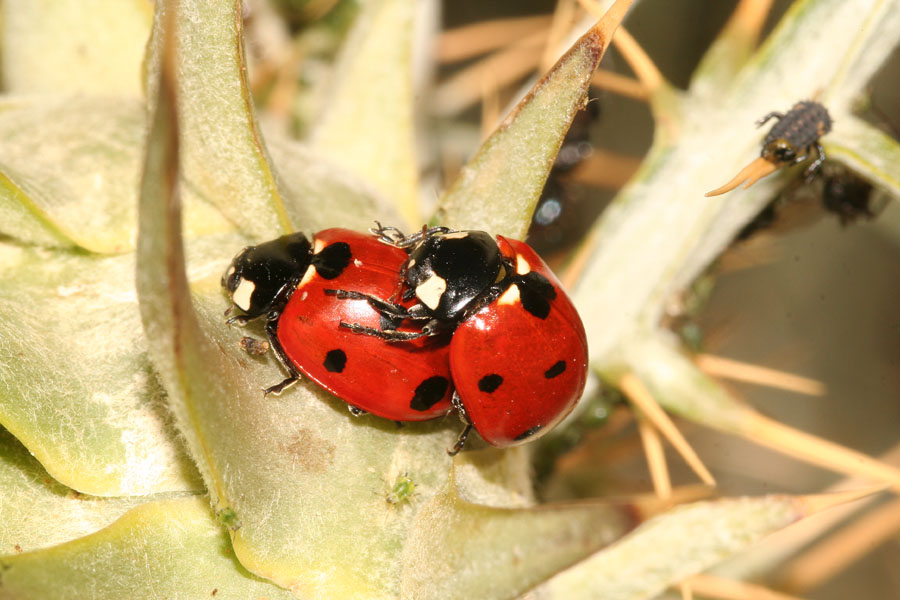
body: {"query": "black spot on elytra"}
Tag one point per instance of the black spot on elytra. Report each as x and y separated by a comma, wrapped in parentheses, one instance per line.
(527, 433)
(557, 369)
(489, 383)
(335, 361)
(332, 260)
(535, 294)
(429, 392)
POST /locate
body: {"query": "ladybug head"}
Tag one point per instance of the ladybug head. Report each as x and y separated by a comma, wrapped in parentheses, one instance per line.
(779, 151)
(257, 276)
(449, 270)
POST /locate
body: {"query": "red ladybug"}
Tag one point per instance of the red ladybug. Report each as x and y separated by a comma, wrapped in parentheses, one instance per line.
(285, 280)
(518, 354)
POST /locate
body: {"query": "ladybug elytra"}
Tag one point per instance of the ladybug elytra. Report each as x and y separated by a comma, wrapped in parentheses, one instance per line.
(518, 352)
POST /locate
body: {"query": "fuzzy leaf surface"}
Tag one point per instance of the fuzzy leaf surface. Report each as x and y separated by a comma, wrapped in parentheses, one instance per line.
(491, 552)
(36, 511)
(868, 151)
(82, 397)
(367, 121)
(69, 168)
(224, 157)
(167, 549)
(64, 47)
(666, 549)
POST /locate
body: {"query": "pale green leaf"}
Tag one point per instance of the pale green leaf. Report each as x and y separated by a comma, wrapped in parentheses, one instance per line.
(170, 549)
(74, 46)
(320, 193)
(868, 151)
(69, 170)
(499, 188)
(501, 553)
(367, 122)
(36, 511)
(668, 548)
(76, 386)
(223, 155)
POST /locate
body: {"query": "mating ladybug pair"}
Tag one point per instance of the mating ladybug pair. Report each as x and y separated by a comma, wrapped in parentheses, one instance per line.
(410, 327)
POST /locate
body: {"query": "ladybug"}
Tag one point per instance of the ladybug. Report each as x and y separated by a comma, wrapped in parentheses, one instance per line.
(284, 280)
(518, 352)
(790, 141)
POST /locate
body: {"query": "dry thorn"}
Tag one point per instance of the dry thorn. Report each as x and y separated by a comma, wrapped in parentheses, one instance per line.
(465, 88)
(816, 503)
(480, 38)
(641, 397)
(563, 15)
(727, 368)
(813, 449)
(834, 554)
(749, 17)
(656, 457)
(620, 84)
(730, 589)
(639, 61)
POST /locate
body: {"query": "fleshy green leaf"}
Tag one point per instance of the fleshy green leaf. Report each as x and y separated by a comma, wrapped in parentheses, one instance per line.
(37, 512)
(69, 170)
(223, 154)
(76, 386)
(498, 189)
(89, 46)
(868, 151)
(367, 123)
(666, 549)
(490, 552)
(163, 549)
(320, 193)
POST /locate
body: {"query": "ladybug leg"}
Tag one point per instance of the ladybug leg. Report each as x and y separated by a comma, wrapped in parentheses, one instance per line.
(294, 374)
(388, 309)
(394, 237)
(464, 434)
(389, 335)
(771, 115)
(239, 319)
(357, 412)
(820, 158)
(460, 441)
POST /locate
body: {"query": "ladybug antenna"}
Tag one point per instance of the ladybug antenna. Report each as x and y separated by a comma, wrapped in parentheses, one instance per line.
(752, 173)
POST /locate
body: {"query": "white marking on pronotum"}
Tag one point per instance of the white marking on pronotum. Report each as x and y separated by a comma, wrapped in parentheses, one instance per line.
(510, 296)
(455, 236)
(241, 295)
(307, 277)
(317, 247)
(229, 272)
(522, 266)
(431, 290)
